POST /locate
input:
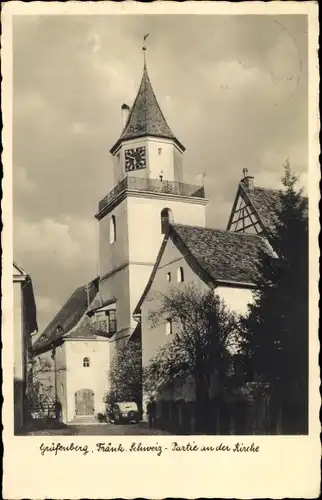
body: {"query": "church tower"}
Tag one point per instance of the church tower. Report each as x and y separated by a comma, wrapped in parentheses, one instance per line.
(149, 192)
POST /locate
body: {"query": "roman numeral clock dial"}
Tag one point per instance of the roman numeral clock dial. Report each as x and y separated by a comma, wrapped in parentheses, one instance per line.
(135, 159)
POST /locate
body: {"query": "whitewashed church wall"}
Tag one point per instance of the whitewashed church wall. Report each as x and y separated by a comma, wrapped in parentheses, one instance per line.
(237, 299)
(113, 255)
(161, 157)
(117, 286)
(139, 276)
(94, 377)
(144, 224)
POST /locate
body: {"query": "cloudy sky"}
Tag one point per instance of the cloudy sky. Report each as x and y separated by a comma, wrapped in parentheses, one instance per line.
(233, 90)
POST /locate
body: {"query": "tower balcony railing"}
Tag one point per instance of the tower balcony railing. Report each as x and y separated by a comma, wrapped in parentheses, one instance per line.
(151, 186)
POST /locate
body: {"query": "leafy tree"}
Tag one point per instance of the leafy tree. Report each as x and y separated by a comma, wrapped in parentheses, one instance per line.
(125, 374)
(40, 387)
(277, 323)
(204, 337)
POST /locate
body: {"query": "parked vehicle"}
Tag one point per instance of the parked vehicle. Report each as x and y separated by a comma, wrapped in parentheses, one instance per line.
(124, 412)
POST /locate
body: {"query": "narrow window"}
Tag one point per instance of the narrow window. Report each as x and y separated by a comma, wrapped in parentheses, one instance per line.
(86, 362)
(112, 321)
(62, 389)
(168, 327)
(159, 151)
(101, 321)
(112, 229)
(180, 275)
(168, 277)
(166, 218)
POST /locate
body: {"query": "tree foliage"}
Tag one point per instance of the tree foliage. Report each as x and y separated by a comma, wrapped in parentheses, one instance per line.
(277, 323)
(125, 375)
(40, 383)
(204, 338)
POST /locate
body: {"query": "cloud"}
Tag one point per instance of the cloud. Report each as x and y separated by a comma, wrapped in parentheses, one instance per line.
(22, 182)
(59, 255)
(46, 236)
(92, 43)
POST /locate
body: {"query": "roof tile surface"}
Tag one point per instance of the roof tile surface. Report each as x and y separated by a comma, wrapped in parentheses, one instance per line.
(68, 316)
(225, 255)
(146, 117)
(265, 201)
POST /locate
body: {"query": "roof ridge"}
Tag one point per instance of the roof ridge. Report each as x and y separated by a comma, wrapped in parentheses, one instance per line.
(275, 190)
(220, 230)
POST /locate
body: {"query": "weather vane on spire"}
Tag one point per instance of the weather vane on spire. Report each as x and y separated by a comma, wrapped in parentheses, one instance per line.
(144, 47)
(144, 38)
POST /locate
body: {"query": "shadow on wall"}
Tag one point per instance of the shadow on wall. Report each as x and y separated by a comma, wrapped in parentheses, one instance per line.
(18, 401)
(257, 417)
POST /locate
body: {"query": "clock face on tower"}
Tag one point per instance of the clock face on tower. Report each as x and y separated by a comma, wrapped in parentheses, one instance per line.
(135, 159)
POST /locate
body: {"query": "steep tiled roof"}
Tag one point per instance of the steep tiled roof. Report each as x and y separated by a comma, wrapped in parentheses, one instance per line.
(68, 316)
(221, 256)
(265, 201)
(224, 255)
(83, 330)
(146, 117)
(98, 303)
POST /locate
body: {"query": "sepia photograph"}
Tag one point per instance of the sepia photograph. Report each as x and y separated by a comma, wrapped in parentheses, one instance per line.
(160, 225)
(160, 250)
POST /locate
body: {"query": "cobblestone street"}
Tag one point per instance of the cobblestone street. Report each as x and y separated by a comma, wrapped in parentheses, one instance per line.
(101, 430)
(117, 430)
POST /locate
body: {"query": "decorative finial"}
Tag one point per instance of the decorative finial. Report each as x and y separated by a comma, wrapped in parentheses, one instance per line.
(144, 47)
(245, 172)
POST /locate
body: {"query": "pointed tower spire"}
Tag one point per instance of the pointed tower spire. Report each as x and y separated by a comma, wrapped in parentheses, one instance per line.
(146, 117)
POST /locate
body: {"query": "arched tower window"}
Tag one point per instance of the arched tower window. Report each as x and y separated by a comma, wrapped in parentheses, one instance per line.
(112, 229)
(180, 275)
(166, 218)
(86, 362)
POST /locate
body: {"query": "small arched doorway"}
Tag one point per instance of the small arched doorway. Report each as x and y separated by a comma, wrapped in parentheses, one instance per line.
(84, 402)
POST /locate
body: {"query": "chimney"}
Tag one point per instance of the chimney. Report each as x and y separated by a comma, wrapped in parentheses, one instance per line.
(125, 111)
(247, 180)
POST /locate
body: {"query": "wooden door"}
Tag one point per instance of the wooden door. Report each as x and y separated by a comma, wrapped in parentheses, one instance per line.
(84, 402)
